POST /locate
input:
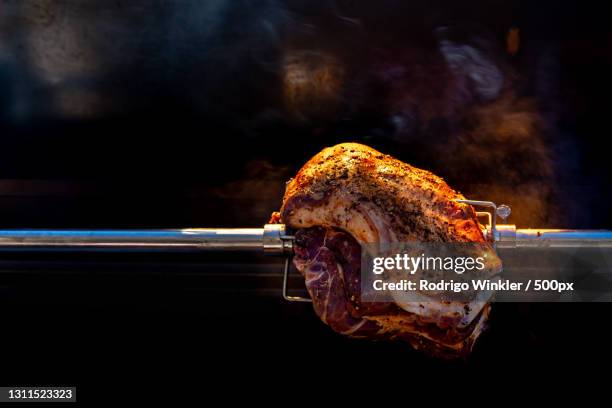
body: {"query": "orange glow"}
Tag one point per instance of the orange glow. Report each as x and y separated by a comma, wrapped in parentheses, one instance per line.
(513, 41)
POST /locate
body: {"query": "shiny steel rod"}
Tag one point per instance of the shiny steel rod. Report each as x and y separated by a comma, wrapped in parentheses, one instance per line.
(134, 240)
(508, 236)
(271, 239)
(172, 240)
(560, 238)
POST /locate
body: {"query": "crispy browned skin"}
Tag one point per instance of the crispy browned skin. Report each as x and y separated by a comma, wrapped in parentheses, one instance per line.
(352, 188)
(376, 198)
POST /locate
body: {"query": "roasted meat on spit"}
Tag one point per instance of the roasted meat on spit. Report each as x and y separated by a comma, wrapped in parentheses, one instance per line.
(351, 194)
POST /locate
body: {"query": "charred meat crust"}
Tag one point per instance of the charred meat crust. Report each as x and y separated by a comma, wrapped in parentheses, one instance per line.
(416, 204)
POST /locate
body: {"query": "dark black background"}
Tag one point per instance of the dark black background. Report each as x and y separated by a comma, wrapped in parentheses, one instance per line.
(152, 114)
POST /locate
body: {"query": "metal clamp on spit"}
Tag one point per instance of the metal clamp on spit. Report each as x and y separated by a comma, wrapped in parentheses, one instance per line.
(508, 236)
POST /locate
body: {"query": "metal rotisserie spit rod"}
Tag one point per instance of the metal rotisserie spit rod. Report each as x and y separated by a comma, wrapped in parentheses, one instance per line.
(508, 236)
(271, 239)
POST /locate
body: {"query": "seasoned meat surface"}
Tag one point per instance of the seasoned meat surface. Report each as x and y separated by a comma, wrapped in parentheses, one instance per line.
(351, 194)
(376, 198)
